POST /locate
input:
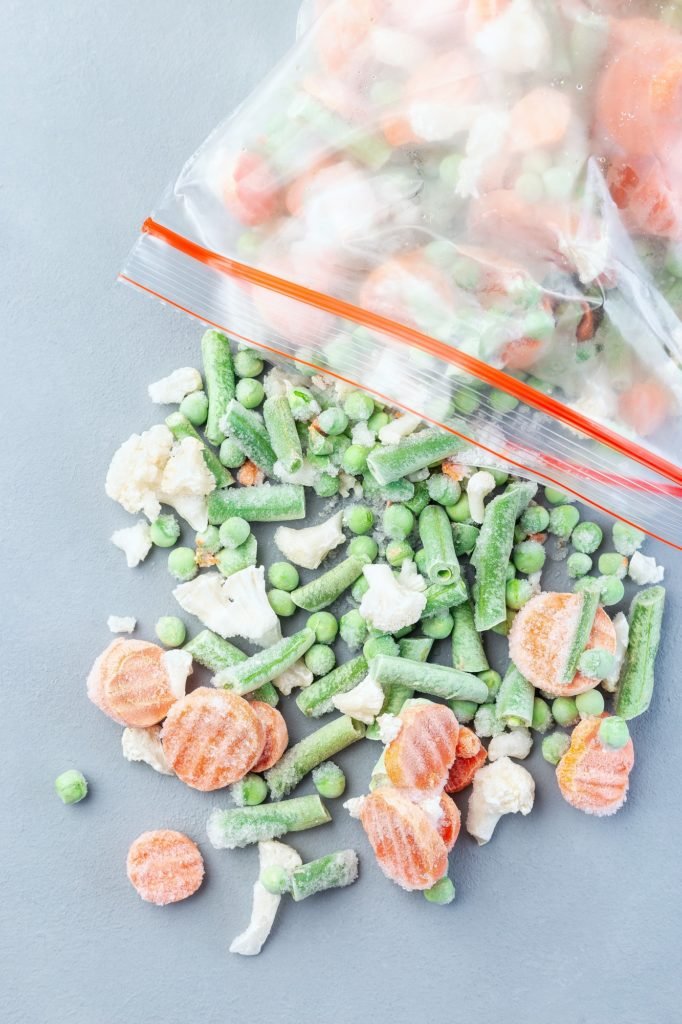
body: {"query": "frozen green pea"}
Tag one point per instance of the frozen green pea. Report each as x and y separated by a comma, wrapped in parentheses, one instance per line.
(208, 540)
(164, 531)
(437, 626)
(563, 519)
(354, 459)
(398, 522)
(320, 659)
(359, 519)
(502, 628)
(420, 561)
(517, 593)
(340, 444)
(519, 534)
(360, 587)
(463, 710)
(442, 893)
(195, 408)
(466, 401)
(380, 645)
(565, 711)
(596, 663)
(329, 780)
(302, 404)
(182, 564)
(534, 519)
(358, 406)
(397, 552)
(459, 512)
(587, 537)
(332, 420)
(464, 536)
(319, 444)
(614, 732)
(234, 532)
(589, 704)
(364, 547)
(419, 500)
(542, 716)
(231, 560)
(275, 879)
(249, 392)
(247, 363)
(281, 603)
(502, 402)
(529, 556)
(613, 564)
(493, 680)
(443, 489)
(578, 564)
(378, 420)
(555, 497)
(171, 631)
(611, 590)
(353, 629)
(71, 786)
(510, 572)
(326, 485)
(231, 454)
(324, 626)
(283, 576)
(249, 791)
(627, 539)
(555, 746)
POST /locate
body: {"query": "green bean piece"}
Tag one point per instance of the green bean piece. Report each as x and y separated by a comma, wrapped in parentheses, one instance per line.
(492, 551)
(468, 654)
(440, 597)
(316, 700)
(398, 490)
(242, 826)
(245, 676)
(514, 704)
(395, 461)
(416, 649)
(436, 536)
(463, 710)
(325, 589)
(180, 427)
(281, 428)
(334, 871)
(231, 560)
(588, 610)
(248, 430)
(219, 377)
(436, 680)
(312, 750)
(264, 503)
(637, 676)
(214, 653)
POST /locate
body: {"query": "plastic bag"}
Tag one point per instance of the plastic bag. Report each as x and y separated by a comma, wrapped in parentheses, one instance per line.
(473, 210)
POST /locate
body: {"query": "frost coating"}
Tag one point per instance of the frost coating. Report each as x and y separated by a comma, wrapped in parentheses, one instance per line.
(479, 486)
(499, 788)
(622, 629)
(363, 702)
(389, 727)
(265, 904)
(236, 606)
(354, 805)
(145, 745)
(399, 428)
(643, 569)
(298, 676)
(121, 623)
(134, 474)
(392, 601)
(134, 541)
(517, 743)
(309, 546)
(177, 666)
(172, 389)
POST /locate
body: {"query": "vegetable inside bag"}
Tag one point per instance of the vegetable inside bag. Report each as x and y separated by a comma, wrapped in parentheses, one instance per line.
(473, 210)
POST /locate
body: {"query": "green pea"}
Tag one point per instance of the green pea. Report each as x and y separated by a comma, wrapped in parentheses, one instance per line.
(420, 560)
(493, 680)
(459, 512)
(614, 732)
(565, 711)
(320, 659)
(324, 626)
(164, 531)
(195, 408)
(358, 406)
(443, 489)
(326, 485)
(555, 746)
(364, 547)
(281, 603)
(437, 626)
(542, 716)
(231, 455)
(249, 791)
(353, 629)
(359, 588)
(378, 420)
(419, 500)
(578, 564)
(359, 519)
(464, 536)
(502, 402)
(466, 401)
(171, 631)
(397, 552)
(234, 532)
(596, 663)
(71, 786)
(275, 879)
(498, 475)
(589, 704)
(332, 420)
(329, 780)
(398, 522)
(529, 556)
(442, 893)
(563, 519)
(182, 564)
(611, 590)
(283, 576)
(613, 564)
(555, 497)
(319, 444)
(510, 571)
(463, 710)
(208, 540)
(380, 645)
(535, 519)
(354, 459)
(627, 539)
(502, 628)
(340, 444)
(249, 392)
(587, 537)
(302, 404)
(247, 363)
(519, 534)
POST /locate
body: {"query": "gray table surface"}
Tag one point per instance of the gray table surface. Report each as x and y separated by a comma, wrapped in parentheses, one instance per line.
(561, 918)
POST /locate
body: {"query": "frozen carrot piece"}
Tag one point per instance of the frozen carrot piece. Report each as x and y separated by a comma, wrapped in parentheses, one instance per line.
(468, 743)
(408, 848)
(276, 735)
(164, 866)
(212, 738)
(540, 118)
(421, 754)
(341, 32)
(522, 353)
(463, 770)
(450, 822)
(646, 193)
(646, 406)
(130, 682)
(592, 775)
(250, 191)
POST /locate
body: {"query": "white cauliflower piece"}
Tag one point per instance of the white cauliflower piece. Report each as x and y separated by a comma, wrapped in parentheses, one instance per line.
(265, 904)
(121, 623)
(306, 475)
(517, 40)
(134, 541)
(363, 702)
(354, 805)
(622, 629)
(517, 743)
(399, 428)
(172, 389)
(309, 546)
(389, 727)
(479, 486)
(297, 676)
(134, 474)
(145, 745)
(534, 580)
(178, 667)
(186, 481)
(499, 788)
(643, 569)
(236, 606)
(391, 602)
(362, 435)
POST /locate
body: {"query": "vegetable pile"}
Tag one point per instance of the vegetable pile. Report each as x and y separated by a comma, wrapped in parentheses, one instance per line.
(422, 548)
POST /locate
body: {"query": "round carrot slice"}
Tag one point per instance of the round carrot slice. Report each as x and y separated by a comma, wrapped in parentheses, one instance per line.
(540, 638)
(212, 738)
(164, 866)
(463, 770)
(449, 824)
(592, 777)
(139, 692)
(421, 754)
(107, 665)
(408, 848)
(646, 406)
(276, 735)
(540, 118)
(251, 191)
(468, 743)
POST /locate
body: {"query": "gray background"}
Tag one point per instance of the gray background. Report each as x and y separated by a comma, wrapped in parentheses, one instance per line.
(561, 918)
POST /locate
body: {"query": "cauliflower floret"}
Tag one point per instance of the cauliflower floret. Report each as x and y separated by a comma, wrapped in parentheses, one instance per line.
(389, 727)
(499, 788)
(517, 743)
(622, 630)
(172, 389)
(399, 428)
(392, 602)
(362, 435)
(134, 475)
(363, 702)
(643, 569)
(306, 475)
(309, 546)
(145, 745)
(178, 666)
(534, 580)
(135, 542)
(299, 675)
(480, 485)
(517, 40)
(121, 623)
(265, 904)
(186, 481)
(237, 606)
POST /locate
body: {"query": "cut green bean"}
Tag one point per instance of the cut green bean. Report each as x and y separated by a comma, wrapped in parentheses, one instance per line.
(264, 503)
(180, 427)
(394, 461)
(468, 653)
(514, 703)
(246, 676)
(216, 654)
(316, 700)
(436, 680)
(219, 377)
(440, 597)
(281, 428)
(315, 748)
(491, 554)
(637, 677)
(415, 649)
(435, 532)
(334, 871)
(242, 826)
(247, 429)
(325, 589)
(588, 609)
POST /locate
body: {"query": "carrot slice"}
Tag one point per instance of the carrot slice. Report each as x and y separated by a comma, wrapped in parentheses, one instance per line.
(276, 735)
(408, 848)
(468, 743)
(421, 754)
(251, 192)
(645, 406)
(449, 824)
(463, 770)
(164, 866)
(592, 777)
(129, 683)
(540, 118)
